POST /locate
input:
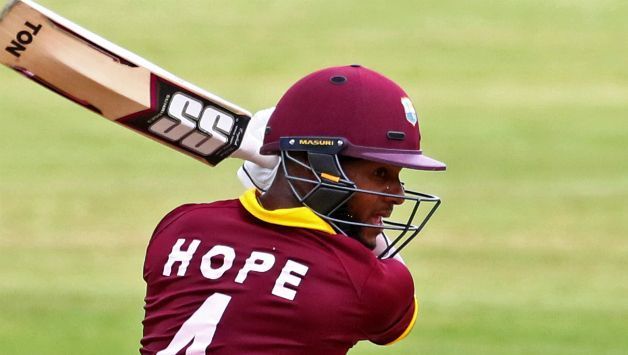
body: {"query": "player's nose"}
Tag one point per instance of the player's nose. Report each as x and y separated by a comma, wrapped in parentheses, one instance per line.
(395, 189)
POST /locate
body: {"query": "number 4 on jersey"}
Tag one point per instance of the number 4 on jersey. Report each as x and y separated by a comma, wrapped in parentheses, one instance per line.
(200, 327)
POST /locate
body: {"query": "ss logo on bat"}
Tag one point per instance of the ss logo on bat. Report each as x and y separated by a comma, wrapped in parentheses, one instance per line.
(200, 129)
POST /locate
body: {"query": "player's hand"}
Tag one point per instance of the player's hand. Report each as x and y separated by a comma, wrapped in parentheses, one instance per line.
(258, 173)
(253, 175)
(252, 142)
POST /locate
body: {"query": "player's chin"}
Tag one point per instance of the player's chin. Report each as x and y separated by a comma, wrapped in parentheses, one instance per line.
(368, 236)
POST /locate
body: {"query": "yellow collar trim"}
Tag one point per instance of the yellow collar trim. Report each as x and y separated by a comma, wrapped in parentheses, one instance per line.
(301, 217)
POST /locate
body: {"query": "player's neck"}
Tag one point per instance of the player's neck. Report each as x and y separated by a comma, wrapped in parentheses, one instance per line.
(278, 196)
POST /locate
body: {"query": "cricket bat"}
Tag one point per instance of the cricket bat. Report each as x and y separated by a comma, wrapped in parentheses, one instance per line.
(123, 87)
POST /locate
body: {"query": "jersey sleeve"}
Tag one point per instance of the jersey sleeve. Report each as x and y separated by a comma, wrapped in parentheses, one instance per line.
(168, 219)
(388, 295)
(172, 216)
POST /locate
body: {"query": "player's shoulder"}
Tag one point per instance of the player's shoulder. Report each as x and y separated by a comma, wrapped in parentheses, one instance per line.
(385, 289)
(389, 296)
(389, 278)
(365, 270)
(192, 210)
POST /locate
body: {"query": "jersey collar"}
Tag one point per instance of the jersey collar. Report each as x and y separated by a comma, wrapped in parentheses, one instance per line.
(302, 217)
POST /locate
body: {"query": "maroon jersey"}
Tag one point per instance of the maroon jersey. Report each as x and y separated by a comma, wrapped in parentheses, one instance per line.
(230, 277)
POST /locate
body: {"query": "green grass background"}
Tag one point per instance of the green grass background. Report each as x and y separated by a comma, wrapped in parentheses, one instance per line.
(527, 102)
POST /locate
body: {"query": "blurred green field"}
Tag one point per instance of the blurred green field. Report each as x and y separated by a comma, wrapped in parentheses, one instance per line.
(527, 102)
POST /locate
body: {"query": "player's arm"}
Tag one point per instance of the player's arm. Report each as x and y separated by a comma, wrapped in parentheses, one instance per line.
(390, 304)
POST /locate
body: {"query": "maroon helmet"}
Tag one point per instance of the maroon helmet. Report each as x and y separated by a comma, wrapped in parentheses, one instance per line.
(355, 112)
(370, 112)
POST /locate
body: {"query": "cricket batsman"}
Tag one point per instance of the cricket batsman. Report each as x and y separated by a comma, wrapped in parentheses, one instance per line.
(290, 267)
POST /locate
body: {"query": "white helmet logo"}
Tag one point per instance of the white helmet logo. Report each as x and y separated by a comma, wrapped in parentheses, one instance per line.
(411, 115)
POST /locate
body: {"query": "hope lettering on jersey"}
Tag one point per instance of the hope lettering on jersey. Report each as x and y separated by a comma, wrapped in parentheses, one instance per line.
(183, 251)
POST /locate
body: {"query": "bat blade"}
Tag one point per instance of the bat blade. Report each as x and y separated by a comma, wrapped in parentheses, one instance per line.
(122, 86)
